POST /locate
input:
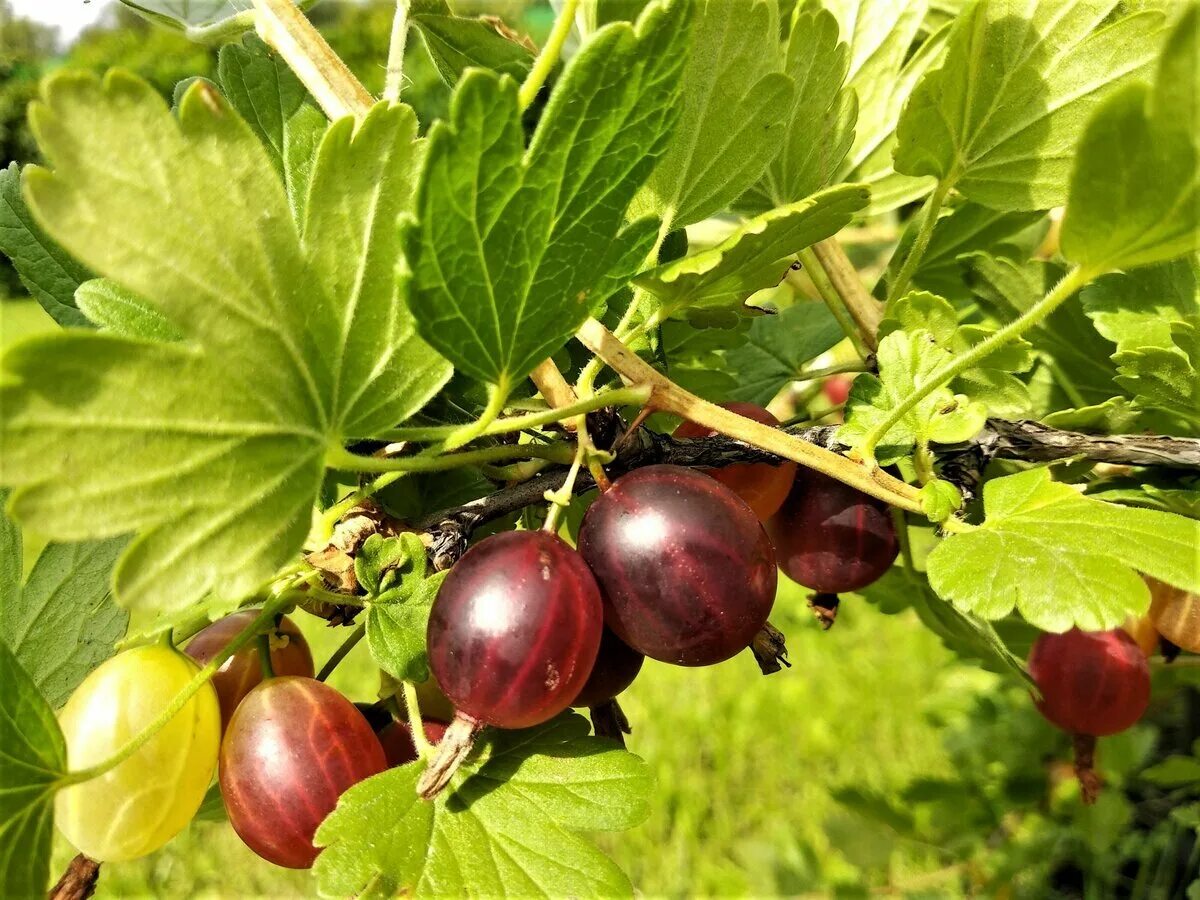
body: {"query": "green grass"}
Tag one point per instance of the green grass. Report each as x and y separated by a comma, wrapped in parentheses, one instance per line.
(745, 765)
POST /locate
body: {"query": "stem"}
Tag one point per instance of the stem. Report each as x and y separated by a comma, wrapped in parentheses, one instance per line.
(923, 462)
(395, 59)
(551, 384)
(930, 209)
(561, 499)
(543, 65)
(281, 24)
(341, 652)
(416, 724)
(340, 458)
(839, 369)
(215, 32)
(632, 396)
(832, 299)
(669, 397)
(264, 656)
(199, 680)
(865, 310)
(1071, 282)
(464, 434)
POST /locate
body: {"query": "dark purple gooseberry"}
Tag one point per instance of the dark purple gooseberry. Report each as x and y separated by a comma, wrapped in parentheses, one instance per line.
(515, 629)
(617, 665)
(687, 572)
(830, 537)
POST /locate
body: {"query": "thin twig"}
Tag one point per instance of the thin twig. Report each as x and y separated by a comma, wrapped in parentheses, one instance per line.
(395, 61)
(865, 310)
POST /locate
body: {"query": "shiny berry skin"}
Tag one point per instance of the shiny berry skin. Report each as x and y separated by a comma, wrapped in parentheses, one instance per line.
(617, 665)
(837, 389)
(1093, 683)
(1175, 614)
(242, 672)
(293, 747)
(136, 807)
(397, 740)
(687, 572)
(515, 628)
(763, 486)
(830, 537)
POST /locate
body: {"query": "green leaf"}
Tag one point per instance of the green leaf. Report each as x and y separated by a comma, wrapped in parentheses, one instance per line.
(212, 448)
(507, 827)
(34, 756)
(1166, 378)
(756, 256)
(1081, 358)
(1173, 772)
(12, 557)
(1179, 496)
(884, 70)
(514, 249)
(1000, 119)
(697, 359)
(46, 270)
(734, 104)
(1136, 309)
(940, 500)
(1060, 558)
(970, 228)
(261, 87)
(965, 634)
(399, 597)
(455, 44)
(991, 382)
(63, 623)
(820, 126)
(777, 348)
(1135, 188)
(1114, 416)
(180, 13)
(114, 309)
(906, 360)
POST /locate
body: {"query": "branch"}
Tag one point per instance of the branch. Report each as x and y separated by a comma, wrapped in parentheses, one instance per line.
(865, 310)
(1035, 442)
(78, 882)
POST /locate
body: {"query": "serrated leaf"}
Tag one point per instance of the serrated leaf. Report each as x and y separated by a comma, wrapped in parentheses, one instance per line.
(514, 249)
(1136, 309)
(392, 571)
(112, 308)
(940, 500)
(34, 756)
(1001, 118)
(46, 270)
(884, 70)
(756, 256)
(776, 349)
(265, 92)
(965, 634)
(1081, 357)
(63, 622)
(970, 228)
(1135, 188)
(381, 560)
(1179, 497)
(697, 359)
(1114, 416)
(182, 13)
(212, 448)
(455, 44)
(1062, 559)
(1166, 378)
(820, 125)
(505, 828)
(906, 360)
(734, 105)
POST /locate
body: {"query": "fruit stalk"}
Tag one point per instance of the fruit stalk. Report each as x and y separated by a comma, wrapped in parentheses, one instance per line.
(456, 743)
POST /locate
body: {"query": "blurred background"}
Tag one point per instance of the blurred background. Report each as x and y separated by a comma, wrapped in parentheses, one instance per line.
(878, 765)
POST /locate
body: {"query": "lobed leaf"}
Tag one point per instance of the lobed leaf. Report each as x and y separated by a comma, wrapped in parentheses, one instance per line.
(1060, 558)
(114, 309)
(514, 249)
(1135, 189)
(456, 44)
(211, 448)
(34, 756)
(506, 826)
(734, 100)
(1001, 118)
(777, 348)
(756, 256)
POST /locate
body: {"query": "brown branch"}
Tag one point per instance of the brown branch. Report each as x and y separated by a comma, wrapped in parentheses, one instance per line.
(1035, 442)
(78, 882)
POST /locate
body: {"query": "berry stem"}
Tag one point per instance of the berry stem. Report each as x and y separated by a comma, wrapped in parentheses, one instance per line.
(264, 656)
(1085, 767)
(456, 743)
(199, 680)
(416, 724)
(342, 651)
(544, 64)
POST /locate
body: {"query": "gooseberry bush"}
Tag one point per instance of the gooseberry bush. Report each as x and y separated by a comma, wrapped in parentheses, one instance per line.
(565, 381)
